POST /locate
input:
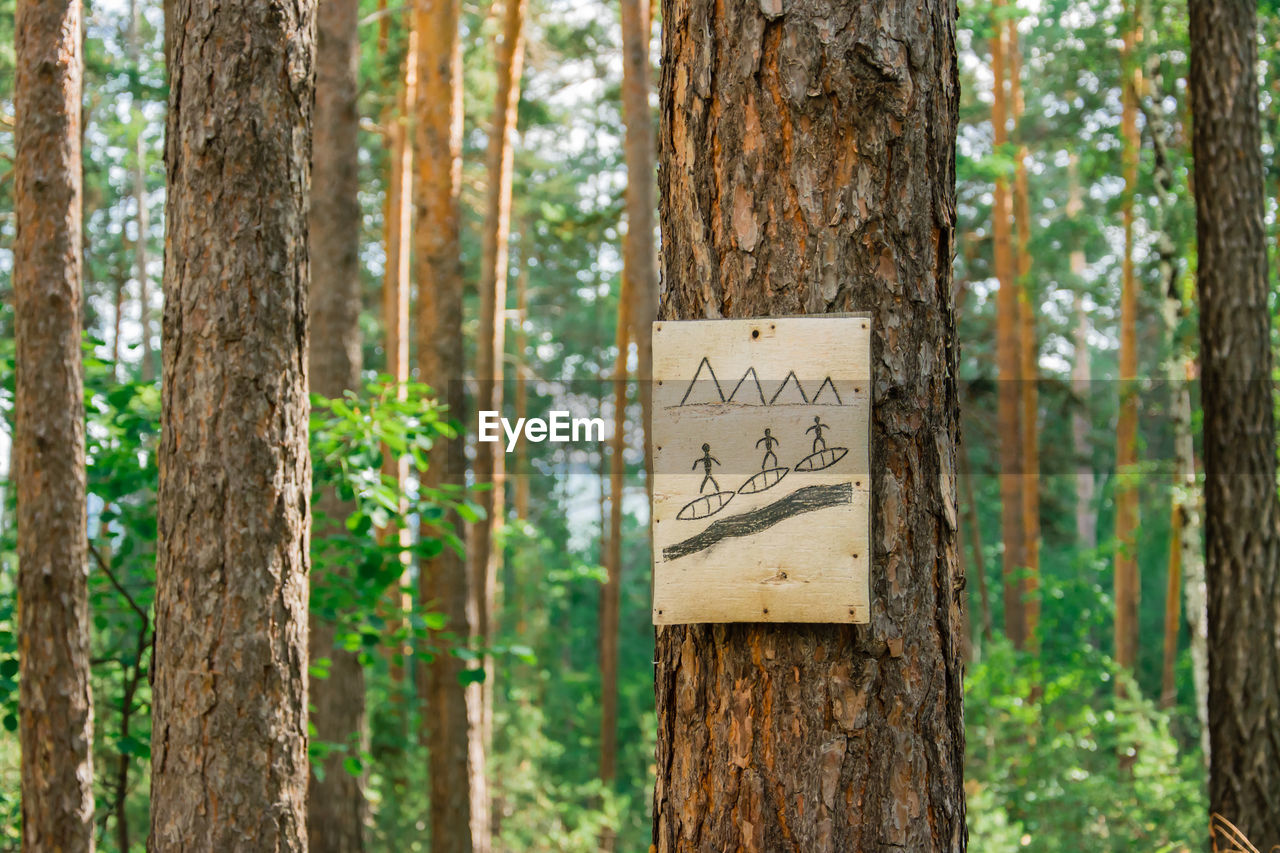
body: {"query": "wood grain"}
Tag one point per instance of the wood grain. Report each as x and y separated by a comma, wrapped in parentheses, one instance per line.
(756, 528)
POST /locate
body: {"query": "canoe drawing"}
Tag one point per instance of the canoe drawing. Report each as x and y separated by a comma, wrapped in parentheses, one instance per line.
(822, 459)
(704, 506)
(764, 480)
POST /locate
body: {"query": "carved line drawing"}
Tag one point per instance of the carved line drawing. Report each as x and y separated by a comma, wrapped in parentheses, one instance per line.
(790, 377)
(803, 500)
(707, 364)
(751, 390)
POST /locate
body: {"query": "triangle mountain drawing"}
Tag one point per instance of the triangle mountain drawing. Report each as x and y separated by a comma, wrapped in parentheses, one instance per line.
(827, 394)
(789, 393)
(748, 390)
(704, 388)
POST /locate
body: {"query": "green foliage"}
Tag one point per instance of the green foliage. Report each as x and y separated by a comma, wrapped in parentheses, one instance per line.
(1046, 774)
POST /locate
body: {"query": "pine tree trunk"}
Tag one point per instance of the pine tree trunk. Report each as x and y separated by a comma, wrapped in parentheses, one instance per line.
(459, 817)
(610, 593)
(1029, 359)
(522, 378)
(639, 254)
(335, 801)
(808, 167)
(484, 559)
(1242, 512)
(1126, 492)
(1008, 360)
(229, 733)
(397, 228)
(55, 704)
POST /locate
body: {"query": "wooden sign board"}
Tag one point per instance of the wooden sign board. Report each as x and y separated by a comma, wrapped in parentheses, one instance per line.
(761, 488)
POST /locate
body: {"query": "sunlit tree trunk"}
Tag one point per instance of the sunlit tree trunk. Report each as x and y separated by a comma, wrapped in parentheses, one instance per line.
(1029, 359)
(55, 705)
(610, 593)
(1008, 356)
(522, 378)
(459, 817)
(397, 229)
(1185, 560)
(1126, 491)
(1242, 511)
(639, 254)
(774, 736)
(335, 801)
(229, 732)
(484, 558)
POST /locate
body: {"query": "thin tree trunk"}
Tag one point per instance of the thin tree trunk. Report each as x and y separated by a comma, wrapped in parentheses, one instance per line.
(781, 737)
(1184, 544)
(1086, 518)
(1008, 360)
(335, 801)
(639, 253)
(1127, 587)
(397, 226)
(459, 818)
(522, 377)
(1242, 511)
(610, 594)
(229, 733)
(55, 703)
(484, 557)
(1029, 360)
(121, 279)
(143, 220)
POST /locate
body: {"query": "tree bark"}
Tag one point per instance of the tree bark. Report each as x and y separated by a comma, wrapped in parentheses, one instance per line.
(459, 816)
(1008, 357)
(484, 557)
(335, 801)
(1242, 511)
(1029, 359)
(808, 166)
(55, 704)
(1127, 586)
(639, 254)
(229, 735)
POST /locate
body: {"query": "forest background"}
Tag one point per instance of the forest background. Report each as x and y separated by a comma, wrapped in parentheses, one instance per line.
(1075, 194)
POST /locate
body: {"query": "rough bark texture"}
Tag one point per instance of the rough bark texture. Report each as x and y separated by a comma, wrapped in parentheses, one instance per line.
(808, 167)
(459, 801)
(335, 802)
(1008, 357)
(1242, 512)
(55, 705)
(1127, 587)
(229, 736)
(484, 559)
(640, 260)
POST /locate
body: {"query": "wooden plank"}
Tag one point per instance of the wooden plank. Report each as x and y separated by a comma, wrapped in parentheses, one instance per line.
(750, 526)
